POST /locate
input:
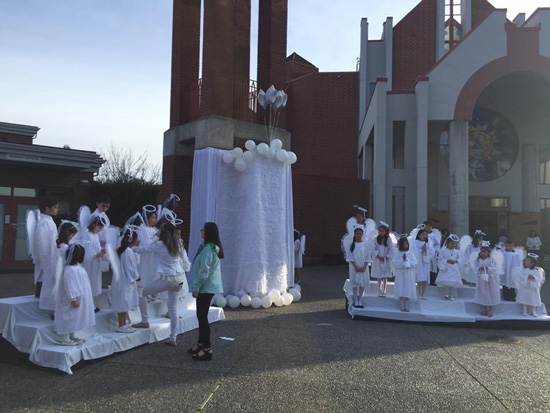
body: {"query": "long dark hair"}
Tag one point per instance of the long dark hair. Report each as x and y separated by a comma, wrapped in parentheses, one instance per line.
(96, 222)
(212, 234)
(352, 248)
(64, 231)
(533, 262)
(401, 244)
(484, 248)
(78, 254)
(383, 240)
(127, 238)
(296, 235)
(476, 240)
(420, 232)
(168, 238)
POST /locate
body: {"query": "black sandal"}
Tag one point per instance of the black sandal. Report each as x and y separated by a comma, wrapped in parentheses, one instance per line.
(206, 355)
(195, 349)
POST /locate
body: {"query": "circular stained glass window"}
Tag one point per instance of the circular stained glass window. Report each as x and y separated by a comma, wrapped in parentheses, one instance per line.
(493, 145)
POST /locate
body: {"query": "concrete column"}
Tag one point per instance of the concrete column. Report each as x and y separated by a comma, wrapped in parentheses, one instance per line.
(458, 177)
(388, 40)
(421, 95)
(364, 88)
(379, 154)
(466, 16)
(530, 179)
(440, 30)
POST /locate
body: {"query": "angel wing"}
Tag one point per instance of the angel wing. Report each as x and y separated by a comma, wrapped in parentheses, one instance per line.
(464, 242)
(498, 258)
(393, 243)
(520, 251)
(346, 244)
(370, 226)
(111, 237)
(84, 215)
(303, 245)
(349, 224)
(437, 234)
(472, 259)
(414, 233)
(516, 275)
(32, 218)
(135, 219)
(543, 275)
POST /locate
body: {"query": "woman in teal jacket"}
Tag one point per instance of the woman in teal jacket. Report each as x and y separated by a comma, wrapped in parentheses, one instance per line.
(206, 281)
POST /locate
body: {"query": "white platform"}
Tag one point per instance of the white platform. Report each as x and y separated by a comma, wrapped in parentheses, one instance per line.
(436, 309)
(30, 330)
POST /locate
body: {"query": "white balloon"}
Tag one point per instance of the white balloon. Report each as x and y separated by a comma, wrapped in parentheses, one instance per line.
(227, 157)
(250, 145)
(237, 152)
(246, 300)
(216, 298)
(248, 156)
(295, 294)
(292, 158)
(234, 301)
(287, 298)
(256, 302)
(280, 302)
(266, 301)
(297, 287)
(270, 153)
(274, 295)
(278, 100)
(240, 293)
(263, 148)
(271, 95)
(281, 155)
(240, 165)
(221, 302)
(276, 144)
(262, 100)
(285, 100)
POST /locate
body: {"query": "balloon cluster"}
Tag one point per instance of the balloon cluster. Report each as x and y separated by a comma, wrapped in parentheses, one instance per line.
(276, 100)
(274, 150)
(274, 297)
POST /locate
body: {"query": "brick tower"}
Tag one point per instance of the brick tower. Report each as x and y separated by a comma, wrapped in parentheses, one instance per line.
(220, 109)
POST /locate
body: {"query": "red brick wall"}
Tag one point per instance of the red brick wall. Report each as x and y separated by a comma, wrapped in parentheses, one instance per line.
(480, 10)
(13, 138)
(295, 70)
(414, 45)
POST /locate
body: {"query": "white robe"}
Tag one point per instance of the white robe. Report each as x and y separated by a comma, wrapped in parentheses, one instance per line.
(528, 291)
(102, 235)
(405, 275)
(50, 285)
(44, 248)
(91, 262)
(449, 274)
(147, 260)
(381, 269)
(487, 292)
(74, 285)
(511, 261)
(436, 246)
(124, 291)
(469, 274)
(359, 256)
(423, 259)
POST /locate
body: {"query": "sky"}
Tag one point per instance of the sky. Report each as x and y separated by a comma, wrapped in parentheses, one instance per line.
(95, 73)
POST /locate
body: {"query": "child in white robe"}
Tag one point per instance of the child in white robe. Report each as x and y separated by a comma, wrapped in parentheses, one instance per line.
(48, 296)
(529, 284)
(424, 253)
(512, 260)
(405, 264)
(147, 233)
(488, 282)
(74, 309)
(45, 249)
(449, 276)
(94, 253)
(124, 290)
(381, 253)
(471, 275)
(356, 256)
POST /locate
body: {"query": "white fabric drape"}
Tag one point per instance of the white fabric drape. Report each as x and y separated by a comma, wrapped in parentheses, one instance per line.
(253, 210)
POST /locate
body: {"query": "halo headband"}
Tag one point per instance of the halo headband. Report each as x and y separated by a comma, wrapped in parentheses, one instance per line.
(403, 236)
(420, 227)
(384, 224)
(479, 233)
(360, 208)
(453, 238)
(358, 226)
(532, 255)
(485, 244)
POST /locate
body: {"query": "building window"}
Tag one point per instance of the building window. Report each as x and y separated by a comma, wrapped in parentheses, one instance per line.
(25, 192)
(5, 191)
(544, 164)
(399, 144)
(453, 27)
(485, 202)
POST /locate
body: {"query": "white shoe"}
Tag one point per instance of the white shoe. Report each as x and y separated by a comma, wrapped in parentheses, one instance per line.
(126, 329)
(70, 343)
(534, 314)
(447, 297)
(452, 298)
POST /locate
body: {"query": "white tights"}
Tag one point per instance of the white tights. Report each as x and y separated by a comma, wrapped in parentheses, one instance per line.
(382, 284)
(173, 290)
(404, 303)
(529, 309)
(358, 295)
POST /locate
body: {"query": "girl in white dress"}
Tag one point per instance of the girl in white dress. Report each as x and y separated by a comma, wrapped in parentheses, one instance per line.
(405, 274)
(381, 253)
(74, 309)
(529, 284)
(48, 295)
(424, 252)
(147, 232)
(488, 279)
(470, 276)
(356, 256)
(94, 253)
(449, 271)
(124, 291)
(299, 248)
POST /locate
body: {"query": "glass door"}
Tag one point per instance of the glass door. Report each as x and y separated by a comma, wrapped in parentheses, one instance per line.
(2, 223)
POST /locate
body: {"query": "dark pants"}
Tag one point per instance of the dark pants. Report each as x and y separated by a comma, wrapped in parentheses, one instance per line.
(508, 294)
(433, 276)
(203, 305)
(38, 289)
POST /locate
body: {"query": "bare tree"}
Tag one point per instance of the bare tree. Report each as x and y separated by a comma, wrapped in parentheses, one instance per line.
(123, 165)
